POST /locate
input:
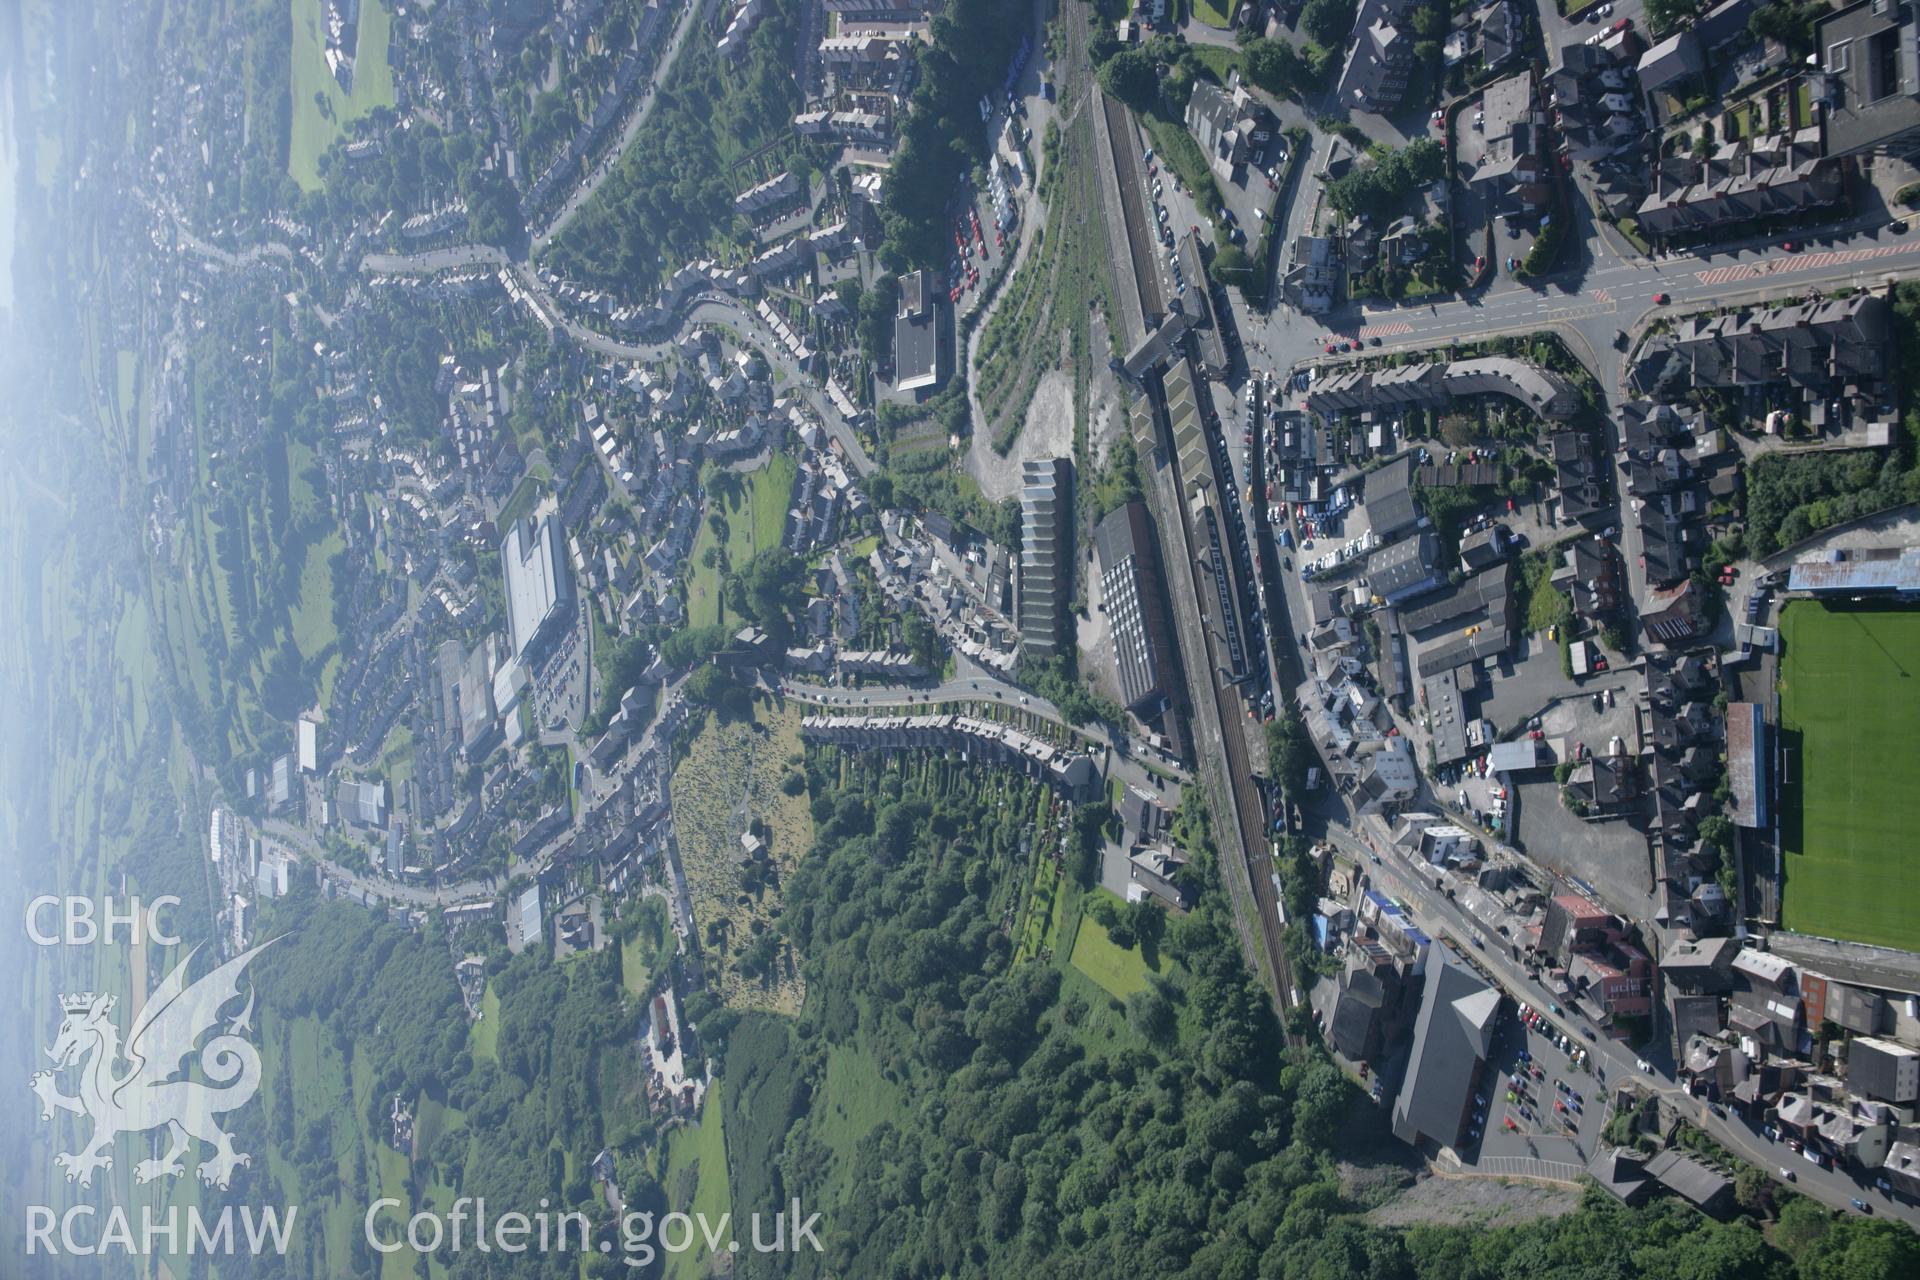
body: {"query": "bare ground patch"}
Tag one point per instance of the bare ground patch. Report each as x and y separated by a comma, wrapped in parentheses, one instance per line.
(1047, 433)
(1460, 1200)
(1108, 401)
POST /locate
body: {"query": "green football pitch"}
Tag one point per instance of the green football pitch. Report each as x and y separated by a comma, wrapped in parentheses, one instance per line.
(1849, 710)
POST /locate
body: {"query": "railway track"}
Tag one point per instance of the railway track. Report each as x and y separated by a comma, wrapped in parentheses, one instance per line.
(1133, 207)
(1246, 860)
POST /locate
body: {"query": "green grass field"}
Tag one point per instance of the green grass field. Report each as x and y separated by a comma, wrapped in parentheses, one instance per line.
(315, 126)
(646, 949)
(1215, 13)
(854, 1101)
(755, 520)
(702, 1149)
(312, 614)
(1849, 696)
(1119, 971)
(483, 1038)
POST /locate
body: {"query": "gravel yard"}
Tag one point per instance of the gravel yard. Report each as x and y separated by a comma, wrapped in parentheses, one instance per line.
(1048, 433)
(1466, 1200)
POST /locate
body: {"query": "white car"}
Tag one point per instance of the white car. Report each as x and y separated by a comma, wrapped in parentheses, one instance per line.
(1642, 1064)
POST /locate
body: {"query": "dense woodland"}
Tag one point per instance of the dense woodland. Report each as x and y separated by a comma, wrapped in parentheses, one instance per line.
(562, 1085)
(1045, 1132)
(716, 129)
(1023, 1122)
(943, 137)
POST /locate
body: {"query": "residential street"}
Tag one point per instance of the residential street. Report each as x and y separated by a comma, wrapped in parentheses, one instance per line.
(1115, 754)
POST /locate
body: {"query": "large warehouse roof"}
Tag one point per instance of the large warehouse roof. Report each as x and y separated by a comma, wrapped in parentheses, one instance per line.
(538, 588)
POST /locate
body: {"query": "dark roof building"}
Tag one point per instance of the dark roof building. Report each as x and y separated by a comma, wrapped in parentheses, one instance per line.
(1867, 83)
(1654, 424)
(1573, 920)
(1484, 549)
(1390, 509)
(1131, 592)
(1513, 173)
(1487, 598)
(1671, 615)
(1595, 579)
(1581, 480)
(1451, 1038)
(1668, 541)
(1357, 1017)
(1813, 344)
(1726, 22)
(1209, 347)
(1405, 569)
(1699, 965)
(1707, 1191)
(1503, 29)
(1675, 58)
(1381, 60)
(1777, 175)
(1231, 126)
(1621, 1174)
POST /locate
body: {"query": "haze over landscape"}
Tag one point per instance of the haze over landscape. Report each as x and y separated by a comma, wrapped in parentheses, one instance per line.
(700, 638)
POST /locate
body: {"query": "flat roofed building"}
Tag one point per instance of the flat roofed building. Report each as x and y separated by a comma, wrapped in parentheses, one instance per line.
(1130, 592)
(916, 335)
(308, 744)
(1447, 713)
(1883, 1069)
(539, 582)
(1046, 553)
(1866, 81)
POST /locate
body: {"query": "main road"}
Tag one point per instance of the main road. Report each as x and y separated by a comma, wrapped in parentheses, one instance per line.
(1600, 298)
(707, 308)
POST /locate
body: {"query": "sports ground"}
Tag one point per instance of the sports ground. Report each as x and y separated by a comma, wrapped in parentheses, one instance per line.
(1849, 709)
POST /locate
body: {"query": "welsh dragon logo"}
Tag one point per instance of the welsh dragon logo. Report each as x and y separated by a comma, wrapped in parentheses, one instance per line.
(146, 1095)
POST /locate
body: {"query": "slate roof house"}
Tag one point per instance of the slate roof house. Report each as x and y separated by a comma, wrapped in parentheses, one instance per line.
(1231, 126)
